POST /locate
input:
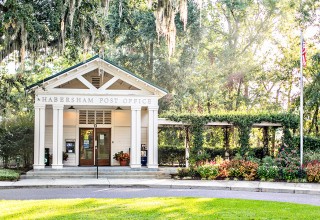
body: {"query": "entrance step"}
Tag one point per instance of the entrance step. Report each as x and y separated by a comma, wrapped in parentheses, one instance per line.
(103, 172)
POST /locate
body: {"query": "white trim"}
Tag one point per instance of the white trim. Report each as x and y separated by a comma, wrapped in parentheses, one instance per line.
(86, 82)
(93, 92)
(109, 83)
(51, 85)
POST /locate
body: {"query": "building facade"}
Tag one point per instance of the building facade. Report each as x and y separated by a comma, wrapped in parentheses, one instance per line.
(93, 110)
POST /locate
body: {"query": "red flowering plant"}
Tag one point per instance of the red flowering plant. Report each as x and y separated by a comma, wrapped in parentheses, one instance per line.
(313, 171)
(121, 156)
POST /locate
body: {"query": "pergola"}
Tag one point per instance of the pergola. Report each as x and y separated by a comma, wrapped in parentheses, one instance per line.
(226, 126)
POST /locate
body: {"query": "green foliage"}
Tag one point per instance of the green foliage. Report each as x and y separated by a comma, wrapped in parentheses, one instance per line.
(309, 143)
(268, 170)
(170, 155)
(311, 155)
(289, 164)
(8, 175)
(243, 121)
(188, 172)
(16, 140)
(208, 171)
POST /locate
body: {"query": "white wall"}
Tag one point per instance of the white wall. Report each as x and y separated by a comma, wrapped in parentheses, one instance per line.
(121, 140)
(69, 132)
(121, 132)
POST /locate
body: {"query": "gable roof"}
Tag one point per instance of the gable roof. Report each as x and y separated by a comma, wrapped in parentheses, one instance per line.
(33, 86)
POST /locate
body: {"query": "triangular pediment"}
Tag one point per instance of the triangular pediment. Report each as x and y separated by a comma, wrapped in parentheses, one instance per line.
(72, 84)
(99, 76)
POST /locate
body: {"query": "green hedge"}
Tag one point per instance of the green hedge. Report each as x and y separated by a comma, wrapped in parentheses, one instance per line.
(171, 155)
(309, 143)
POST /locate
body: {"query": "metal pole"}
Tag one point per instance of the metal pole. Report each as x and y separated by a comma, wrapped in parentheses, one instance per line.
(97, 150)
(301, 99)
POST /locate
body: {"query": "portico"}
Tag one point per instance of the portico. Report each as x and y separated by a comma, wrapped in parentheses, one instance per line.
(92, 111)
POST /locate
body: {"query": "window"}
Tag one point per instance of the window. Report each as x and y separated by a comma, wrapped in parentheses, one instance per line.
(95, 117)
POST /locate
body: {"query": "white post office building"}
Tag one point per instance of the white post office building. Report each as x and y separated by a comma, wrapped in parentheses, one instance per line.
(92, 111)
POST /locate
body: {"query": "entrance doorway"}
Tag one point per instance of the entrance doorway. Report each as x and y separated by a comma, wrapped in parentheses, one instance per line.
(88, 154)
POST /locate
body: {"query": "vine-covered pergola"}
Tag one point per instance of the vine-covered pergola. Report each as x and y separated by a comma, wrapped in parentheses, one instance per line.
(244, 122)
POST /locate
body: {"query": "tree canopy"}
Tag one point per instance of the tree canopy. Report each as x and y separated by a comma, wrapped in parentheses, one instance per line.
(210, 55)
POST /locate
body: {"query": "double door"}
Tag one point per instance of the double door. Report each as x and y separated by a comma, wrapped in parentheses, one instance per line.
(95, 145)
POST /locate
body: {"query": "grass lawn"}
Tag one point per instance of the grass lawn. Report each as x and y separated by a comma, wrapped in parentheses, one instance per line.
(6, 174)
(155, 208)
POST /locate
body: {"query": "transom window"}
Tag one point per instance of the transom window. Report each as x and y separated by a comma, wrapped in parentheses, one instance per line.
(95, 117)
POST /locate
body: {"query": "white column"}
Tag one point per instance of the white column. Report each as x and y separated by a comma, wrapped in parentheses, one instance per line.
(135, 152)
(153, 137)
(39, 135)
(57, 141)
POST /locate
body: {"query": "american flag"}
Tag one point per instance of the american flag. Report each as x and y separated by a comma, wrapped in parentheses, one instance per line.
(304, 54)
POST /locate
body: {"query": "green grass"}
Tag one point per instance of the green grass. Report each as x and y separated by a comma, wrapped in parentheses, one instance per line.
(6, 174)
(155, 208)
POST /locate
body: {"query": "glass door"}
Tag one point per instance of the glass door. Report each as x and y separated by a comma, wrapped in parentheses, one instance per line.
(103, 137)
(86, 146)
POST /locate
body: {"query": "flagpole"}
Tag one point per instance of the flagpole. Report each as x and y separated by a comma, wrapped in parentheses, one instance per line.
(301, 99)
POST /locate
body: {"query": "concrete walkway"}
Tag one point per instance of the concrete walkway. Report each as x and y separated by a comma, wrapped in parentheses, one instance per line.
(252, 186)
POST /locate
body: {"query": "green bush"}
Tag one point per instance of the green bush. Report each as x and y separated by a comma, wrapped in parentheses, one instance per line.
(268, 170)
(8, 175)
(188, 172)
(171, 155)
(288, 162)
(309, 143)
(183, 172)
(311, 155)
(208, 171)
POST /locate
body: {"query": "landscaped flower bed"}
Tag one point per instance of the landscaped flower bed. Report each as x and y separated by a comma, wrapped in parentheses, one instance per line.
(269, 169)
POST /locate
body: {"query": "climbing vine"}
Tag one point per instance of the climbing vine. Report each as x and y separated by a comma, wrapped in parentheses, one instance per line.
(243, 121)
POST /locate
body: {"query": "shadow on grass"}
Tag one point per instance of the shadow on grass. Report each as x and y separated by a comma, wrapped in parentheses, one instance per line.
(155, 208)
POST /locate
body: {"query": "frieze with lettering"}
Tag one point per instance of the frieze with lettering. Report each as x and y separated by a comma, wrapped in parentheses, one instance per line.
(96, 100)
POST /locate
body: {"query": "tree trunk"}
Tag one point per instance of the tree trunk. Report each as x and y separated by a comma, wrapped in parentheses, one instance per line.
(238, 94)
(151, 59)
(314, 121)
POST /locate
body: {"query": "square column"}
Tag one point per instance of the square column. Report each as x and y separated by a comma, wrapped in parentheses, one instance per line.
(57, 137)
(135, 152)
(153, 137)
(39, 135)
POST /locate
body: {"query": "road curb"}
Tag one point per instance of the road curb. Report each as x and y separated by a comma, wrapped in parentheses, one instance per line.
(170, 186)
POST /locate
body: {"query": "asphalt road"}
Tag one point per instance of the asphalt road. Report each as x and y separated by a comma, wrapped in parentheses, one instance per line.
(64, 193)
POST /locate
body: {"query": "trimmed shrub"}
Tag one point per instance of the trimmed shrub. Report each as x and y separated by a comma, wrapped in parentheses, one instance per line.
(171, 155)
(188, 172)
(313, 171)
(8, 175)
(310, 143)
(268, 170)
(183, 172)
(239, 169)
(208, 171)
